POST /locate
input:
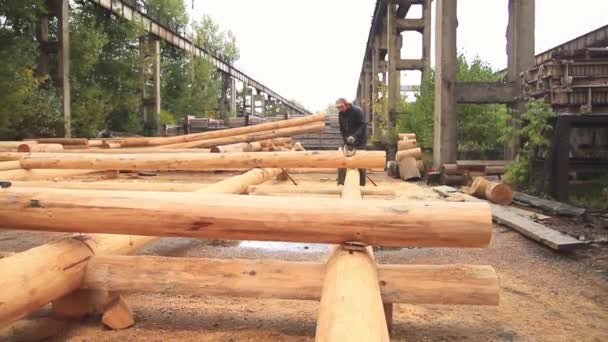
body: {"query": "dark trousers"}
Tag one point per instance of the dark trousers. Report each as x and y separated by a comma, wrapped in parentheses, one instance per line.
(342, 176)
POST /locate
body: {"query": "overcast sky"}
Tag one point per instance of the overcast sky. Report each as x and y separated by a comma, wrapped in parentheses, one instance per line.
(312, 50)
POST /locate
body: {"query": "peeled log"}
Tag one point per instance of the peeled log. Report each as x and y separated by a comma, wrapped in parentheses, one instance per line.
(451, 169)
(123, 186)
(209, 161)
(10, 165)
(478, 187)
(136, 142)
(58, 268)
(250, 137)
(408, 169)
(240, 184)
(406, 144)
(63, 141)
(407, 136)
(415, 153)
(95, 143)
(495, 170)
(29, 175)
(351, 306)
(499, 193)
(277, 279)
(233, 217)
(40, 148)
(321, 190)
(298, 147)
(240, 147)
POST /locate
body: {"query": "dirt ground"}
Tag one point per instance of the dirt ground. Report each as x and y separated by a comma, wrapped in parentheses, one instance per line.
(544, 295)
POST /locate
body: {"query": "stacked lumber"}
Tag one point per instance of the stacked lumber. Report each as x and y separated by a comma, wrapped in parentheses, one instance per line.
(409, 157)
(463, 172)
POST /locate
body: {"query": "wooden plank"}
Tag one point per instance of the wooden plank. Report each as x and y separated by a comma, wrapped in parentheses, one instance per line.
(534, 230)
(553, 207)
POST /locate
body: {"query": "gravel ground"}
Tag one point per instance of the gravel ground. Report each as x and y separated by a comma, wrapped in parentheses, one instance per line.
(545, 296)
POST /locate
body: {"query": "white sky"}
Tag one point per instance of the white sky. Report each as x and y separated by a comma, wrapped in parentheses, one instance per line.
(312, 50)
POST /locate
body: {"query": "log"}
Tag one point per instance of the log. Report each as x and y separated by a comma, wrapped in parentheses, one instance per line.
(451, 179)
(478, 187)
(277, 279)
(118, 315)
(123, 186)
(63, 141)
(406, 144)
(207, 161)
(255, 147)
(240, 147)
(451, 169)
(10, 165)
(30, 175)
(495, 170)
(12, 156)
(408, 169)
(39, 148)
(137, 142)
(407, 136)
(58, 268)
(282, 141)
(421, 167)
(240, 184)
(251, 137)
(351, 305)
(499, 193)
(110, 145)
(415, 153)
(480, 165)
(321, 190)
(95, 143)
(233, 217)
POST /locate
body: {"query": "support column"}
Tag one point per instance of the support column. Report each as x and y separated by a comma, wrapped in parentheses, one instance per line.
(63, 77)
(375, 81)
(233, 109)
(150, 48)
(520, 51)
(394, 55)
(427, 13)
(224, 97)
(445, 139)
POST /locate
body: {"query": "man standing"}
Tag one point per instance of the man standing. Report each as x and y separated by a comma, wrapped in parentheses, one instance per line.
(354, 132)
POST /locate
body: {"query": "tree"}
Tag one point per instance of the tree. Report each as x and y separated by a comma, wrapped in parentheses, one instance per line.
(221, 44)
(331, 109)
(479, 126)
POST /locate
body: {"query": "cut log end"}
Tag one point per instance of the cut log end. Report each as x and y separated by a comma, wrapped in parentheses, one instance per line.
(118, 315)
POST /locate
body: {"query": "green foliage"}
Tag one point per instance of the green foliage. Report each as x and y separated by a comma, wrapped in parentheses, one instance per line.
(331, 109)
(27, 108)
(383, 134)
(220, 43)
(536, 132)
(107, 71)
(479, 126)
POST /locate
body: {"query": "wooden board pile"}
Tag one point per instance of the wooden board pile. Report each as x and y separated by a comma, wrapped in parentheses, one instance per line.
(409, 157)
(86, 273)
(463, 172)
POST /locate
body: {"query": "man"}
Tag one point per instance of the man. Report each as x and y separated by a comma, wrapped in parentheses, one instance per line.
(354, 132)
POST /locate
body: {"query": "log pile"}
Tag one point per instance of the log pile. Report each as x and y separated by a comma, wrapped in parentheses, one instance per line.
(409, 157)
(463, 172)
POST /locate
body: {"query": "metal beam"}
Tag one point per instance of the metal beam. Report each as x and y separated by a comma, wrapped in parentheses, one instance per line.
(123, 10)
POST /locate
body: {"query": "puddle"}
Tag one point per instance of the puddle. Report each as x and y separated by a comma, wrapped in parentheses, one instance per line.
(285, 246)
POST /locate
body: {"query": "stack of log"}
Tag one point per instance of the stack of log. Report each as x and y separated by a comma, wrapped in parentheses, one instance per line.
(463, 172)
(409, 157)
(495, 192)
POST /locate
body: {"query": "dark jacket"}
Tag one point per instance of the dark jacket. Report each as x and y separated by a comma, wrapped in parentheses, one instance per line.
(352, 123)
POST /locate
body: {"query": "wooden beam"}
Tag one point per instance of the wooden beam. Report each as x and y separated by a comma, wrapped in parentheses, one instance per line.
(30, 175)
(10, 165)
(375, 222)
(351, 305)
(207, 161)
(269, 190)
(413, 284)
(103, 185)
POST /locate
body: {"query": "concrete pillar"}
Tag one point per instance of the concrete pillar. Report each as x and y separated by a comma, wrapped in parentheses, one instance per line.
(445, 139)
(233, 109)
(63, 77)
(520, 51)
(224, 109)
(427, 13)
(375, 81)
(150, 48)
(394, 55)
